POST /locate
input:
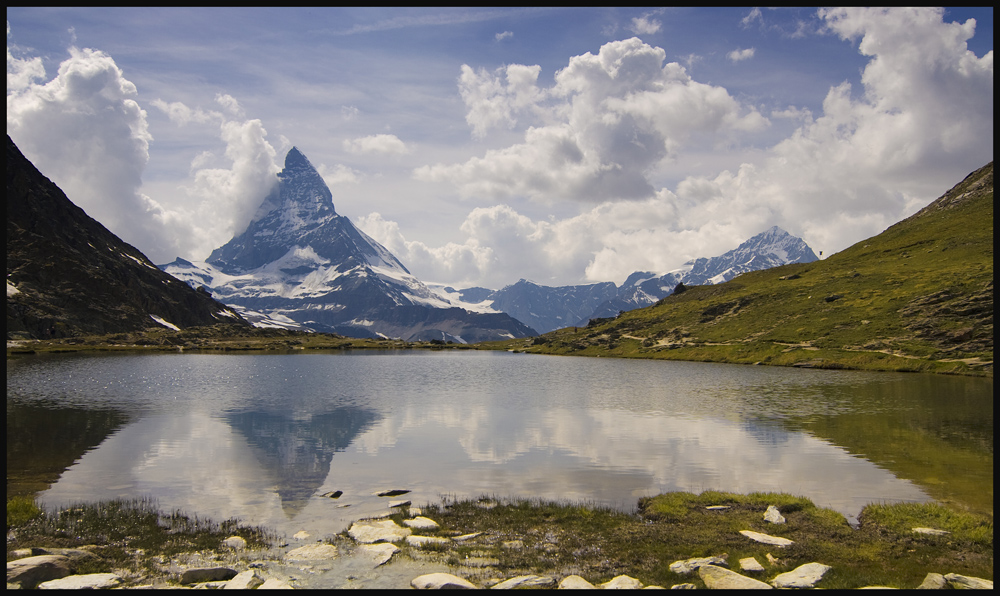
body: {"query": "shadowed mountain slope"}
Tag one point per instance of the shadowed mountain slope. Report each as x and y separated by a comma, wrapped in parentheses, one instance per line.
(68, 275)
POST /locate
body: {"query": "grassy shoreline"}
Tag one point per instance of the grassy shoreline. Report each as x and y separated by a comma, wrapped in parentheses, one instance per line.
(561, 342)
(520, 536)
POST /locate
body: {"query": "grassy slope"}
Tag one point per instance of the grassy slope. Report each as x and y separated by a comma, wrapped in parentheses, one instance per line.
(918, 296)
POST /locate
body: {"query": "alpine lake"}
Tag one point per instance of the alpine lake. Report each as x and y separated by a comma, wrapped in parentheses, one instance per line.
(265, 437)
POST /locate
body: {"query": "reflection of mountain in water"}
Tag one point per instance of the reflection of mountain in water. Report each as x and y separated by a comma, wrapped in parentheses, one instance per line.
(43, 442)
(297, 451)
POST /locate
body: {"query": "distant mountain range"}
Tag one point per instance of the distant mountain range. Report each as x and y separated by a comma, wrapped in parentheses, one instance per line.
(67, 275)
(546, 308)
(917, 297)
(299, 264)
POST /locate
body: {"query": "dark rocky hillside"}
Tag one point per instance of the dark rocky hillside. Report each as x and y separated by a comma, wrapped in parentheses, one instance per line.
(68, 275)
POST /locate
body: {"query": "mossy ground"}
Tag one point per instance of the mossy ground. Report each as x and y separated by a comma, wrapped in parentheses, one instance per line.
(599, 543)
(128, 536)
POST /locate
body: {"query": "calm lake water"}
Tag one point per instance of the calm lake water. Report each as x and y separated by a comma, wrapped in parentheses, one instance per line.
(262, 437)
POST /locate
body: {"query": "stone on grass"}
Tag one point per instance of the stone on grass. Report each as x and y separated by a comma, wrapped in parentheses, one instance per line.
(931, 531)
(371, 531)
(274, 584)
(421, 523)
(198, 575)
(441, 581)
(247, 580)
(803, 576)
(90, 581)
(513, 544)
(965, 582)
(622, 582)
(312, 552)
(465, 537)
(235, 542)
(751, 565)
(31, 571)
(687, 566)
(425, 541)
(766, 539)
(575, 582)
(933, 581)
(379, 553)
(526, 581)
(713, 508)
(773, 516)
(717, 578)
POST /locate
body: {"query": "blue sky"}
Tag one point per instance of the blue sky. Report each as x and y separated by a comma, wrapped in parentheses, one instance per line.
(485, 145)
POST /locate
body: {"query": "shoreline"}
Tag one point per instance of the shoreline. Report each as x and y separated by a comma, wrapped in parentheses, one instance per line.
(507, 538)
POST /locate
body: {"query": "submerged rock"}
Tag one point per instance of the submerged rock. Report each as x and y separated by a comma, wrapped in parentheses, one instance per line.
(803, 576)
(313, 552)
(379, 553)
(371, 531)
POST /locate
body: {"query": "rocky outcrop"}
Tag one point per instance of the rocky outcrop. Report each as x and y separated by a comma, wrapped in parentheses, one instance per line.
(689, 565)
(766, 539)
(717, 578)
(31, 571)
(772, 515)
(90, 581)
(803, 576)
(441, 581)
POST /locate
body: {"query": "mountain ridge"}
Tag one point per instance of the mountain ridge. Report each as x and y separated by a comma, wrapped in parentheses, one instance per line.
(68, 275)
(299, 264)
(917, 297)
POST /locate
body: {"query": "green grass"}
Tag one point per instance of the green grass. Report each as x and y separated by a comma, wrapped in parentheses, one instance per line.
(918, 297)
(599, 543)
(124, 534)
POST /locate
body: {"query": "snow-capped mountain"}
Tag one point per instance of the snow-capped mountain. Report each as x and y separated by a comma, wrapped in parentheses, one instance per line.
(299, 263)
(770, 248)
(546, 308)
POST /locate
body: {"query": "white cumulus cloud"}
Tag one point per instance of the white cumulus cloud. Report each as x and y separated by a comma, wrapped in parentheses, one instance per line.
(605, 122)
(645, 26)
(380, 143)
(740, 55)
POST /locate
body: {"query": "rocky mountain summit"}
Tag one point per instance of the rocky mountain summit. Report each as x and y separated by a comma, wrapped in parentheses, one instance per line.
(300, 265)
(67, 275)
(770, 248)
(546, 308)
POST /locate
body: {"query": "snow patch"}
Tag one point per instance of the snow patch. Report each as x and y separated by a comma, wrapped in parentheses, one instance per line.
(12, 290)
(164, 322)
